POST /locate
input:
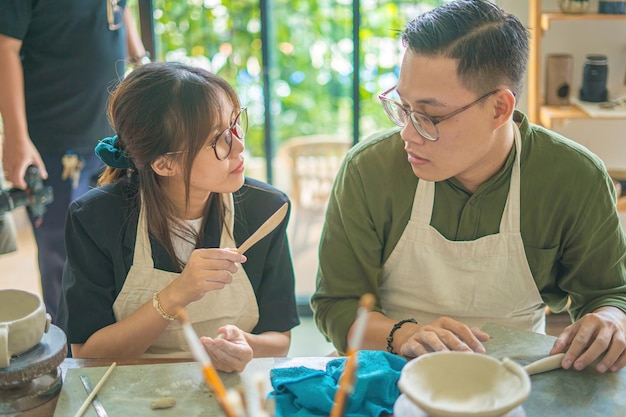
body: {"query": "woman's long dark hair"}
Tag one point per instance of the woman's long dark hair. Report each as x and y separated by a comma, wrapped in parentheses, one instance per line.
(160, 108)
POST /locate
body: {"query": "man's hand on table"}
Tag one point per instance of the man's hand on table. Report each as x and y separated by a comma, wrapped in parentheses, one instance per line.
(443, 334)
(602, 332)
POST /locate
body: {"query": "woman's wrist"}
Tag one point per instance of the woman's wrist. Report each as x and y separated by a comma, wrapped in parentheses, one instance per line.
(165, 304)
(156, 303)
(269, 344)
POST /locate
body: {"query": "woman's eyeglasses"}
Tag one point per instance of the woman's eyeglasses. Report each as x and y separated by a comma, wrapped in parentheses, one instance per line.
(425, 125)
(223, 143)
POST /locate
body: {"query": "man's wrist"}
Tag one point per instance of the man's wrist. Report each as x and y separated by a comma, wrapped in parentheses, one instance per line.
(391, 338)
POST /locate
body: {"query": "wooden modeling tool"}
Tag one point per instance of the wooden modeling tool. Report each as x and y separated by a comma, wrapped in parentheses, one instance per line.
(269, 225)
(211, 377)
(348, 377)
(93, 393)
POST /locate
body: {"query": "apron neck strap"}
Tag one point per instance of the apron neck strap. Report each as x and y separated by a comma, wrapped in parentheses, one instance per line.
(227, 239)
(143, 251)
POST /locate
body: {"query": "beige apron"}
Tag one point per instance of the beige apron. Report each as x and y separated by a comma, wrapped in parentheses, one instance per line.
(234, 304)
(485, 280)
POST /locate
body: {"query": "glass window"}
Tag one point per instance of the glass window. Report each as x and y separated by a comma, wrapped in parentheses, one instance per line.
(310, 68)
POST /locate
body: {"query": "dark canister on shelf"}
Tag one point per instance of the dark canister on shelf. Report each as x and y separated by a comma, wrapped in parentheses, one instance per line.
(595, 73)
(612, 7)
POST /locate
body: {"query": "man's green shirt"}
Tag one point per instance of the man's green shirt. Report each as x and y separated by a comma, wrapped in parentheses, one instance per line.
(572, 236)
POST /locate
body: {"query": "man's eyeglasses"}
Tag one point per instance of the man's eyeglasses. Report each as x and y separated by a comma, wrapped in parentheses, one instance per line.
(424, 124)
(115, 13)
(223, 143)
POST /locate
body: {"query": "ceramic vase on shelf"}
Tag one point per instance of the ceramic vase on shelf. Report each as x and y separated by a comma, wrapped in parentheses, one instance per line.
(574, 6)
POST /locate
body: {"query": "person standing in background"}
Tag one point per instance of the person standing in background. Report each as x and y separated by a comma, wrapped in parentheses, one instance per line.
(59, 59)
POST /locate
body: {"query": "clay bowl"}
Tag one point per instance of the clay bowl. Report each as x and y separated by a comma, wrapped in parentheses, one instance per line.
(460, 384)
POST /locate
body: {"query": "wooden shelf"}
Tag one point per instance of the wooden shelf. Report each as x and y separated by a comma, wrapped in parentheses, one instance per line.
(548, 17)
(548, 114)
(539, 23)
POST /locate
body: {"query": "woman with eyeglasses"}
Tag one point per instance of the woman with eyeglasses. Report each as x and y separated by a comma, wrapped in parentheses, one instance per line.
(159, 232)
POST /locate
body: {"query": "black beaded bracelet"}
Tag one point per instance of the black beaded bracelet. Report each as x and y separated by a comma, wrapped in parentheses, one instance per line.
(393, 330)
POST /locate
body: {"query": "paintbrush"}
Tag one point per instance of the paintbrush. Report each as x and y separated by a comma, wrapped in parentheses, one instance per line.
(208, 370)
(237, 401)
(348, 377)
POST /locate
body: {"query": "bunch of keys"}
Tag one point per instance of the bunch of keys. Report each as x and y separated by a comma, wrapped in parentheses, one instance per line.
(72, 165)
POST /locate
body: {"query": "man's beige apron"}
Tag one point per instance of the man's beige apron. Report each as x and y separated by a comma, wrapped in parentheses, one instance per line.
(485, 280)
(234, 304)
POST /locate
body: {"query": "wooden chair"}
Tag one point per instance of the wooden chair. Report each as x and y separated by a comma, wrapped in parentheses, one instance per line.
(313, 162)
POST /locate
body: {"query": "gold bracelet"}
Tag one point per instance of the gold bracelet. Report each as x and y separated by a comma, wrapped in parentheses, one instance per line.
(156, 303)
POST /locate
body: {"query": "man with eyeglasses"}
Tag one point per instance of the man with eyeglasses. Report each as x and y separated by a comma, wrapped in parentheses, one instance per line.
(58, 62)
(467, 213)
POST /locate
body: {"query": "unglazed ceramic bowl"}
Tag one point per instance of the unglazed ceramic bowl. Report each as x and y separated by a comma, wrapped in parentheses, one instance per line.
(23, 321)
(461, 384)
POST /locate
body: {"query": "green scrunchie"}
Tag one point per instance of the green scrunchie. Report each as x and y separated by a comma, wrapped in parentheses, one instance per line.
(111, 155)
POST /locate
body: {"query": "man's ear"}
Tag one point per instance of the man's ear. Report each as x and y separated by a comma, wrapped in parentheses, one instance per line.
(163, 166)
(504, 107)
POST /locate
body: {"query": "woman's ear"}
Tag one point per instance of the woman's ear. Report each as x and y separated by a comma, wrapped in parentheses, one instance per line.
(164, 166)
(504, 107)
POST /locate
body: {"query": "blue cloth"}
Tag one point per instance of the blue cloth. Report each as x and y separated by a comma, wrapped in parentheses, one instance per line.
(305, 392)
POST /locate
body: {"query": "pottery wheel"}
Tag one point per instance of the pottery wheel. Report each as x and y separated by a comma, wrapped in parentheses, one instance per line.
(404, 407)
(33, 377)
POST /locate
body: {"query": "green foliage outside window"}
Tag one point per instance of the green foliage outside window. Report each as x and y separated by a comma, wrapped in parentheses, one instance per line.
(311, 57)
